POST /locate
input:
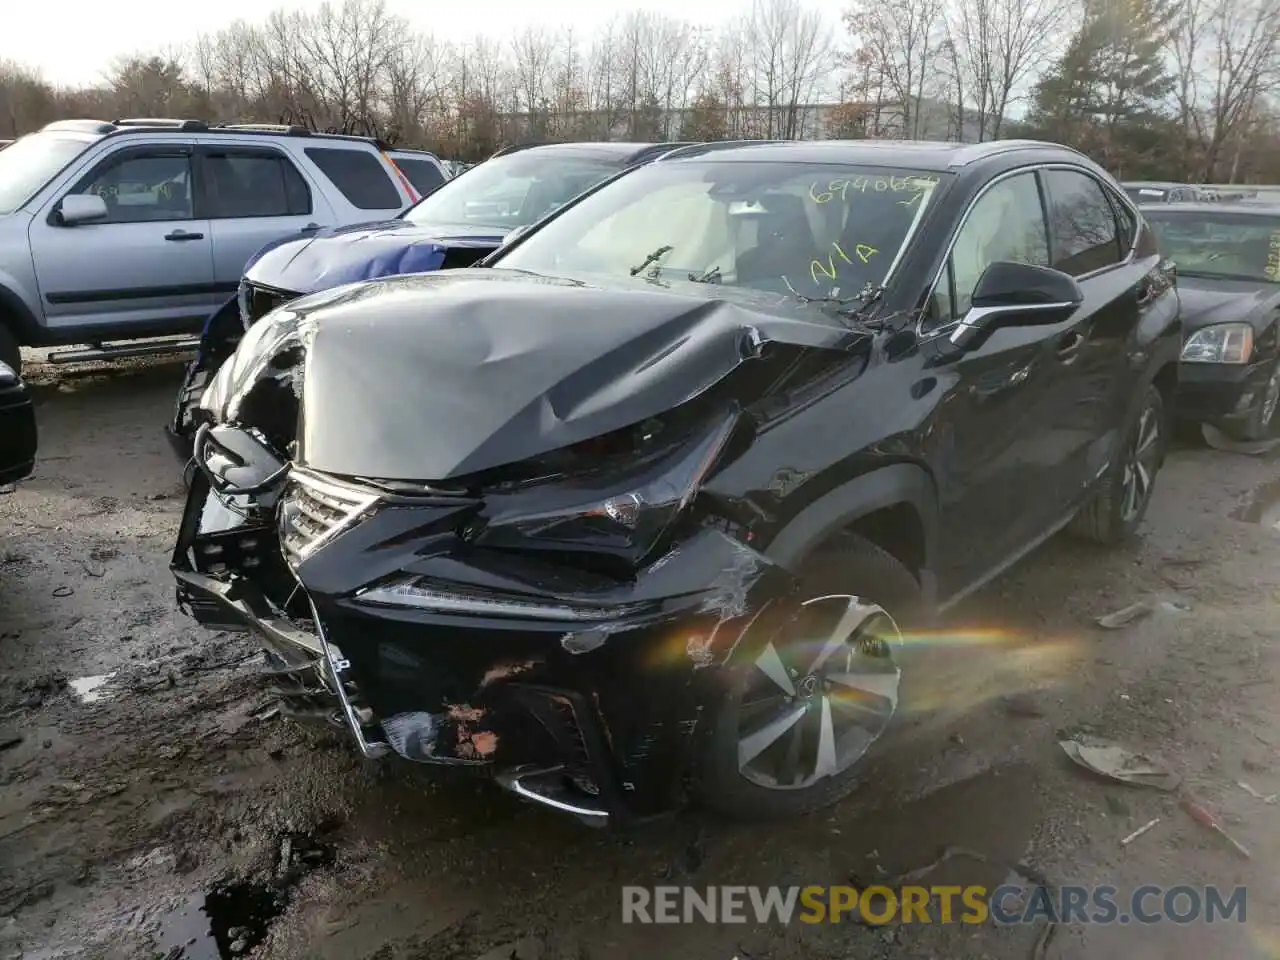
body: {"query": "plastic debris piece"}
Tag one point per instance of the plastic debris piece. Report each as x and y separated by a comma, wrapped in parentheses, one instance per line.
(1122, 618)
(1256, 794)
(1203, 817)
(1139, 832)
(1119, 763)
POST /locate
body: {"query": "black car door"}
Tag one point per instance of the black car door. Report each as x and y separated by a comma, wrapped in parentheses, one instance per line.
(995, 463)
(1091, 239)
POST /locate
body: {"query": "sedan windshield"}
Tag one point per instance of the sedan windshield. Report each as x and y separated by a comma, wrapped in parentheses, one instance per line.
(31, 162)
(1220, 245)
(512, 191)
(814, 230)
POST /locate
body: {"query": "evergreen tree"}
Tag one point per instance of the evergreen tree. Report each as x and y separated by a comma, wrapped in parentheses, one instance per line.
(1106, 92)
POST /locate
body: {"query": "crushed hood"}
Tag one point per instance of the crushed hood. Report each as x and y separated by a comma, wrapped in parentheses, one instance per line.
(437, 376)
(364, 251)
(1207, 301)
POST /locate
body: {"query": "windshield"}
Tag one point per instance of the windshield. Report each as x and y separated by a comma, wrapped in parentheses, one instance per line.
(512, 191)
(1224, 245)
(28, 164)
(815, 230)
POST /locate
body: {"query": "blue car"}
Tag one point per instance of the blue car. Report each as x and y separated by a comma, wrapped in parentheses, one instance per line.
(458, 224)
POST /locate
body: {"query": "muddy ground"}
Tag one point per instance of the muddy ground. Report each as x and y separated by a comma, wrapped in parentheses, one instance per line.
(152, 807)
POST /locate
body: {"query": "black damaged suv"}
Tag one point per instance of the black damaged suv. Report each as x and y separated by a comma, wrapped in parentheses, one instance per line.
(637, 514)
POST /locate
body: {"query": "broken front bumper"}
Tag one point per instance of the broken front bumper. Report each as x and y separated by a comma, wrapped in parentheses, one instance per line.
(597, 720)
(1222, 394)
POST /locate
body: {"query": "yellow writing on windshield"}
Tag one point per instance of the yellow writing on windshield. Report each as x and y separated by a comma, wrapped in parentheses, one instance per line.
(830, 266)
(842, 188)
(1273, 258)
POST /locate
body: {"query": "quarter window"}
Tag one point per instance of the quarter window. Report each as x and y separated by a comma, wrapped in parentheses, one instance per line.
(1082, 224)
(423, 174)
(143, 187)
(360, 175)
(254, 184)
(1007, 223)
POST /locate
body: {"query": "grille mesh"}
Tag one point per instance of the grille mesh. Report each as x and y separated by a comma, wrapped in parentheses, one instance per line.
(313, 511)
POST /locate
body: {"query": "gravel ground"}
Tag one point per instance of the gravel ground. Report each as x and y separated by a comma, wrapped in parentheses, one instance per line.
(149, 784)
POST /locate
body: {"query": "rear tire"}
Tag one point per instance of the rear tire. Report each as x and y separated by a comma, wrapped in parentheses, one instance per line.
(740, 788)
(1116, 510)
(10, 354)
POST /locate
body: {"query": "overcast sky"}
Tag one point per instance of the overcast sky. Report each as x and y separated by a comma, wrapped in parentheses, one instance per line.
(69, 47)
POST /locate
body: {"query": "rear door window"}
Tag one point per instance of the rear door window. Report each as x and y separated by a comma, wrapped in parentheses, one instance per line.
(254, 183)
(359, 175)
(423, 174)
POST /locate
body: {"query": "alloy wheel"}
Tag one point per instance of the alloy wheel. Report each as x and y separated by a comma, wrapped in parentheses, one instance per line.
(816, 700)
(1141, 464)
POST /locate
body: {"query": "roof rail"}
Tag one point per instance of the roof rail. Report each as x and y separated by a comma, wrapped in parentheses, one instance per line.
(79, 126)
(515, 147)
(163, 122)
(289, 129)
(697, 149)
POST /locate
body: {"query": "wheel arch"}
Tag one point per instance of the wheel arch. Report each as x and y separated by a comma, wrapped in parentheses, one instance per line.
(17, 317)
(895, 507)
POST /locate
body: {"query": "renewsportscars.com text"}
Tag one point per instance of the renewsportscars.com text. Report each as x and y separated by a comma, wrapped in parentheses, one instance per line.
(1004, 905)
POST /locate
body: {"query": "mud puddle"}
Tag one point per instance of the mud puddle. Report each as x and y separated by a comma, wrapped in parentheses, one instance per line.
(233, 917)
(1262, 507)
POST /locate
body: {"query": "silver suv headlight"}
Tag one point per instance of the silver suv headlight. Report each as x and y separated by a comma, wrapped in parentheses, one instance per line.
(1220, 343)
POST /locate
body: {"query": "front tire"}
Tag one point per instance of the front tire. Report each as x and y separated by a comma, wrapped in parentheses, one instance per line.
(1260, 423)
(799, 713)
(1118, 507)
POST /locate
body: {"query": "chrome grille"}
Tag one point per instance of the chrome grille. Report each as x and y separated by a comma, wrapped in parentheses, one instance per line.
(314, 510)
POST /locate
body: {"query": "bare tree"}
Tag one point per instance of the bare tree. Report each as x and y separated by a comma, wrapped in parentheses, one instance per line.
(993, 46)
(904, 40)
(1244, 53)
(534, 51)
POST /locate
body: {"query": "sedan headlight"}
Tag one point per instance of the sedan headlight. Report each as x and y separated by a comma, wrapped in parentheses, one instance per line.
(1220, 343)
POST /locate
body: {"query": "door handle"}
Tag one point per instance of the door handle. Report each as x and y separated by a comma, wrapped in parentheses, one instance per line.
(1069, 346)
(179, 235)
(310, 228)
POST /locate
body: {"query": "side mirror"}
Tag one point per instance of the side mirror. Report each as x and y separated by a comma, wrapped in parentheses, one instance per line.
(1016, 295)
(77, 208)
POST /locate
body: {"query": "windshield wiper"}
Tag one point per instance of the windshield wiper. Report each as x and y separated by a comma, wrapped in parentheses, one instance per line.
(710, 276)
(652, 258)
(851, 307)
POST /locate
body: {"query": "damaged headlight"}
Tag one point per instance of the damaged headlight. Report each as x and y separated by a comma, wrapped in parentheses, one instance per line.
(1220, 343)
(626, 514)
(627, 517)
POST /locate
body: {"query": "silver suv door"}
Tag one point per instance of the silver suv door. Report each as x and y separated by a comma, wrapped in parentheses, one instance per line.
(149, 263)
(253, 196)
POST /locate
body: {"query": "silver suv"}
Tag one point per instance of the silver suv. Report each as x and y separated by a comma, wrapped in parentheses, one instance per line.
(142, 228)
